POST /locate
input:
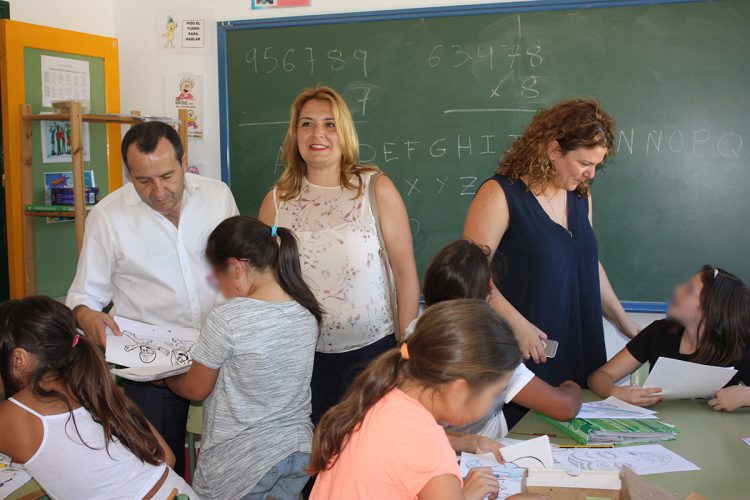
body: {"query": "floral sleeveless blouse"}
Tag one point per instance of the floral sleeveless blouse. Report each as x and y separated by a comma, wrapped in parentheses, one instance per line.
(339, 255)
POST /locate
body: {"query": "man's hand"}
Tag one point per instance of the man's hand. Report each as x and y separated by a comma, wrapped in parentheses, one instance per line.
(94, 324)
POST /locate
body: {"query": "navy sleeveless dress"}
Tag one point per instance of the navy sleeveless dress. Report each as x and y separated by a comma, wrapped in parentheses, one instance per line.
(553, 280)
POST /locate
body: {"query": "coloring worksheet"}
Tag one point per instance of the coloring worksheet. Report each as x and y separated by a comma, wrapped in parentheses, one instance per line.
(154, 349)
(509, 476)
(644, 459)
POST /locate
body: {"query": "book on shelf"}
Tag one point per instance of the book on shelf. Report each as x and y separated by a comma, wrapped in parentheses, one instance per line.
(614, 431)
(53, 208)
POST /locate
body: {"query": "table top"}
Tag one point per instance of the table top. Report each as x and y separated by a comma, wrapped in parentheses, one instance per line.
(709, 439)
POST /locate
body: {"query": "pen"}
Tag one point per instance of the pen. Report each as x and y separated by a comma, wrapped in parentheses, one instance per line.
(585, 446)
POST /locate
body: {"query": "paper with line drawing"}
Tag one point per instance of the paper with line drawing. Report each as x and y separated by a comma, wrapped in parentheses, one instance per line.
(644, 459)
(150, 347)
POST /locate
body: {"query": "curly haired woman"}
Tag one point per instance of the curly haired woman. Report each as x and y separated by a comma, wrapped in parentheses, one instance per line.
(537, 212)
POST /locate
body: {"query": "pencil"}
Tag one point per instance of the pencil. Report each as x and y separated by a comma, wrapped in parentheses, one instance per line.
(585, 446)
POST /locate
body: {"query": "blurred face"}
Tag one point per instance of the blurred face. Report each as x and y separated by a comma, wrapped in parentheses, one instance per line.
(317, 139)
(577, 166)
(158, 178)
(465, 405)
(229, 280)
(686, 305)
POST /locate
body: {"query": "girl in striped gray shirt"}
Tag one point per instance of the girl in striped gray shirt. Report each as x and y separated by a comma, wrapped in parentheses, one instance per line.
(252, 365)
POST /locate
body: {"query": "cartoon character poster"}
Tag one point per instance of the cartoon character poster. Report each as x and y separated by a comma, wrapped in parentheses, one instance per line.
(185, 91)
(185, 30)
(55, 136)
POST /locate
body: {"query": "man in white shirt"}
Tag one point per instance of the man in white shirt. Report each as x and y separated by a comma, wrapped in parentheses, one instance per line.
(143, 251)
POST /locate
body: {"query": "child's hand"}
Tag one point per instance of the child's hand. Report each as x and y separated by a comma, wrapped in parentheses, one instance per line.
(730, 398)
(641, 396)
(481, 483)
(482, 444)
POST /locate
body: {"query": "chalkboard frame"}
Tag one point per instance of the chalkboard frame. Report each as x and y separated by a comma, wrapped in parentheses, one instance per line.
(224, 27)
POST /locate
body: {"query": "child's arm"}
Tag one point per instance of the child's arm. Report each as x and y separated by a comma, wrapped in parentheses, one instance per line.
(480, 483)
(603, 380)
(474, 443)
(194, 385)
(561, 403)
(731, 398)
(169, 458)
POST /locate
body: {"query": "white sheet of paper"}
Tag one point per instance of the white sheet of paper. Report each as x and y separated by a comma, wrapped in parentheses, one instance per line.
(64, 79)
(531, 453)
(149, 373)
(12, 478)
(143, 345)
(509, 478)
(683, 380)
(643, 459)
(613, 408)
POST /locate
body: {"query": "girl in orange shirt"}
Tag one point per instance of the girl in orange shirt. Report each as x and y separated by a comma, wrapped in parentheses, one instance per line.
(385, 440)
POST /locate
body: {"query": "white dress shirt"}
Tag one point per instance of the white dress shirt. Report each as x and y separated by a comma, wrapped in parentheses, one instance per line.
(151, 270)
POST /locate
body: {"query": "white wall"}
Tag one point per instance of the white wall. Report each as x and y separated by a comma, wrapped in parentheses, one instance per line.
(88, 16)
(142, 66)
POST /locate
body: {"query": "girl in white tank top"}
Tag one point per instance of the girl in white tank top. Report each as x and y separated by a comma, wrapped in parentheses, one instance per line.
(65, 420)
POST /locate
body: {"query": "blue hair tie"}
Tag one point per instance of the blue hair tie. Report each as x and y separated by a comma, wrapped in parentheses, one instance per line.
(274, 229)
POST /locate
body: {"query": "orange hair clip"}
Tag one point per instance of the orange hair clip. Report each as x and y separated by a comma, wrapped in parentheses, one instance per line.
(404, 351)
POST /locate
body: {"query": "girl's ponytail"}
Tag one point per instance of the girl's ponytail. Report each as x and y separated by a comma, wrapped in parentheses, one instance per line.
(89, 380)
(380, 377)
(455, 339)
(290, 273)
(247, 238)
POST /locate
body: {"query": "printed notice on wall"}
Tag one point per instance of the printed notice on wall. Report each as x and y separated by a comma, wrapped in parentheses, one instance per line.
(64, 80)
(185, 31)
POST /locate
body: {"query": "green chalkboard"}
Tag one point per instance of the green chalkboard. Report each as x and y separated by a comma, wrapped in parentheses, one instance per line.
(437, 100)
(55, 242)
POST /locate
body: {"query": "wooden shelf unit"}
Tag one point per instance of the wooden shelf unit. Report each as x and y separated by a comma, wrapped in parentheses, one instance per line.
(76, 119)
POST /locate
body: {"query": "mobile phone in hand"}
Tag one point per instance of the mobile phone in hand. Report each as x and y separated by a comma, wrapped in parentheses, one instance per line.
(550, 347)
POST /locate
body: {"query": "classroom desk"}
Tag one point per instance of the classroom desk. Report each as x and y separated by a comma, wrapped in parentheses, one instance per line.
(709, 439)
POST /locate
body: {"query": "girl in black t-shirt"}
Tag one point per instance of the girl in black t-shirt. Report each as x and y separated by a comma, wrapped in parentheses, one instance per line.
(708, 322)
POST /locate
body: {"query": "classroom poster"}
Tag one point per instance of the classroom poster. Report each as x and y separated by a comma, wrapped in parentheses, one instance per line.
(55, 137)
(273, 4)
(185, 91)
(64, 79)
(185, 30)
(196, 167)
(59, 180)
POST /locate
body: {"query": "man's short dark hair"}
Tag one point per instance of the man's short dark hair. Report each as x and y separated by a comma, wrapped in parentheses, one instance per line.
(146, 137)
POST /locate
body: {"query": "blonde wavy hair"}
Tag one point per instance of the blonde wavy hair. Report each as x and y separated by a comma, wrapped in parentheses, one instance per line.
(574, 124)
(289, 184)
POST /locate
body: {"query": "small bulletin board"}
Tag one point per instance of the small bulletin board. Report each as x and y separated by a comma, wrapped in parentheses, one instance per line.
(24, 48)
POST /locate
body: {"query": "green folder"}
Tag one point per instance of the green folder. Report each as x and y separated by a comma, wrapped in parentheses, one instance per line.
(614, 430)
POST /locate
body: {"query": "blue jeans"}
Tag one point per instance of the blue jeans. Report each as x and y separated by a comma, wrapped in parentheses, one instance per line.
(283, 481)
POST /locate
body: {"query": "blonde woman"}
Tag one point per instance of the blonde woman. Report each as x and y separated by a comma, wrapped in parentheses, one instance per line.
(322, 197)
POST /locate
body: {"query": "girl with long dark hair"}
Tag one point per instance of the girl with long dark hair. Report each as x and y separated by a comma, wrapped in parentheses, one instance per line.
(65, 420)
(252, 365)
(708, 322)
